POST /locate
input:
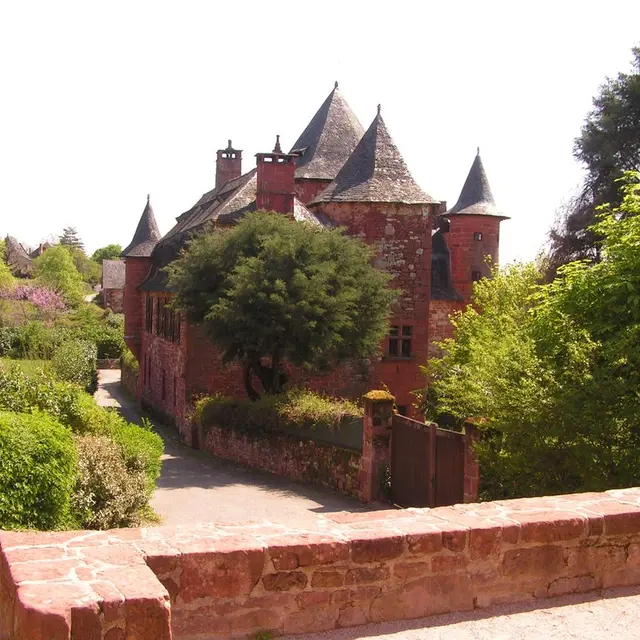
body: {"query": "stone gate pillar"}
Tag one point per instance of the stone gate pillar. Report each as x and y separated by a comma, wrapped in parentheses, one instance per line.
(376, 442)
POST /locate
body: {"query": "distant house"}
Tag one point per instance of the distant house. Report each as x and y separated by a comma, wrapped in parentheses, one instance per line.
(17, 258)
(113, 272)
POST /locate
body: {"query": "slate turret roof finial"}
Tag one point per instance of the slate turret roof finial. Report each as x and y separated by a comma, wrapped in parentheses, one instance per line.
(375, 172)
(379, 108)
(146, 236)
(328, 140)
(277, 148)
(476, 197)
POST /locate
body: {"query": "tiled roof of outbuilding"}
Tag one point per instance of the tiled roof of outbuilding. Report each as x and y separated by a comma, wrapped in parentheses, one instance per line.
(476, 197)
(375, 172)
(146, 236)
(329, 139)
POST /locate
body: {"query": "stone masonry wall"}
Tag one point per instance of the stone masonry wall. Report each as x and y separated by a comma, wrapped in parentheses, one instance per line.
(285, 455)
(439, 324)
(209, 582)
(113, 299)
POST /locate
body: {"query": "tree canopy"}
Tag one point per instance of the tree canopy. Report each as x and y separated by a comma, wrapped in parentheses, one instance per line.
(55, 268)
(608, 145)
(70, 238)
(110, 252)
(270, 290)
(552, 372)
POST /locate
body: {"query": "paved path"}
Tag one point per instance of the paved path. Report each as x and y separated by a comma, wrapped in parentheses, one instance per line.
(197, 487)
(610, 614)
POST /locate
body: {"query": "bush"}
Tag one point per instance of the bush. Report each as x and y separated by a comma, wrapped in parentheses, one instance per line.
(9, 341)
(104, 328)
(287, 410)
(75, 361)
(110, 491)
(128, 361)
(78, 411)
(37, 471)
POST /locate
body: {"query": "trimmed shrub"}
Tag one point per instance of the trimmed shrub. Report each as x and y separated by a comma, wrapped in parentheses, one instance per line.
(37, 471)
(110, 491)
(287, 410)
(75, 361)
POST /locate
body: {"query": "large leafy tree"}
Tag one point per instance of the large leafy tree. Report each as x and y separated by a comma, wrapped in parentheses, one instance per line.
(552, 372)
(270, 290)
(608, 145)
(55, 269)
(110, 252)
(89, 269)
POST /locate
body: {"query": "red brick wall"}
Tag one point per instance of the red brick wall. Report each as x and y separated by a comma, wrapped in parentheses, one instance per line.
(439, 324)
(285, 455)
(161, 381)
(307, 190)
(113, 299)
(467, 254)
(401, 235)
(217, 582)
(136, 270)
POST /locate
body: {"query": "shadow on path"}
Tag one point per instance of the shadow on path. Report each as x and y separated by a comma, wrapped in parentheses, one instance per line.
(195, 486)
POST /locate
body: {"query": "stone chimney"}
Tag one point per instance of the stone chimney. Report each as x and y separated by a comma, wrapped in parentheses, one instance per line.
(276, 180)
(228, 165)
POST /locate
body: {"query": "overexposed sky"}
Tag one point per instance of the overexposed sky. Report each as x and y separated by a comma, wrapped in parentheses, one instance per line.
(101, 103)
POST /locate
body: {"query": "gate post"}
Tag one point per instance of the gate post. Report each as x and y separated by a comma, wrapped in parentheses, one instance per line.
(471, 466)
(376, 442)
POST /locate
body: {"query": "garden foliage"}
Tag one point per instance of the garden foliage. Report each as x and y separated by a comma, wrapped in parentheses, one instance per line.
(37, 471)
(552, 372)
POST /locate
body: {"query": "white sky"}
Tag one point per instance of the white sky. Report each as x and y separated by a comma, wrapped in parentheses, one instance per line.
(101, 103)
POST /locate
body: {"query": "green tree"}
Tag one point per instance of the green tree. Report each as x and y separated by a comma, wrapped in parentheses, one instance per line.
(55, 269)
(89, 269)
(70, 238)
(552, 372)
(608, 145)
(110, 252)
(6, 279)
(273, 290)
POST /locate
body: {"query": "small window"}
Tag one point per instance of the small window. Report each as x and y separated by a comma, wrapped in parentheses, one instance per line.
(148, 318)
(400, 341)
(477, 235)
(475, 276)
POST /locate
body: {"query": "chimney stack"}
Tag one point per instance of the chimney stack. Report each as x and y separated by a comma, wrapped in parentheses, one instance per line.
(276, 180)
(228, 165)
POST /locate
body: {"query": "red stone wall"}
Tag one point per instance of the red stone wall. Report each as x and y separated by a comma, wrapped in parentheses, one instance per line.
(439, 323)
(285, 455)
(219, 582)
(307, 190)
(136, 270)
(467, 254)
(113, 299)
(401, 235)
(161, 380)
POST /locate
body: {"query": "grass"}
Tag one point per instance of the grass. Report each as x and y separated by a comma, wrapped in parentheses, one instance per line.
(28, 367)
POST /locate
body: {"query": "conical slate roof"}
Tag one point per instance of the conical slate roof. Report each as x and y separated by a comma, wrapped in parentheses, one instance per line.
(476, 197)
(375, 172)
(328, 140)
(146, 236)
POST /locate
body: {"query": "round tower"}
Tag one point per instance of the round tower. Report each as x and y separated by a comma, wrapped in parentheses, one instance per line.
(473, 237)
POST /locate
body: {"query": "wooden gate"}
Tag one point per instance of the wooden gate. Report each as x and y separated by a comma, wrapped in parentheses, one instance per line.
(410, 464)
(449, 467)
(427, 464)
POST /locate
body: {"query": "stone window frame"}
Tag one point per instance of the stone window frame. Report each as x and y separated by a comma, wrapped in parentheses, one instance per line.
(400, 341)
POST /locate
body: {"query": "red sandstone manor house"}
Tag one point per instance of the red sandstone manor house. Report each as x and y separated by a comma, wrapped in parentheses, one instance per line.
(336, 174)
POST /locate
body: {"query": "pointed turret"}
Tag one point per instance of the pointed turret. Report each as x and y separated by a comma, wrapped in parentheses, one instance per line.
(146, 236)
(476, 197)
(328, 140)
(375, 172)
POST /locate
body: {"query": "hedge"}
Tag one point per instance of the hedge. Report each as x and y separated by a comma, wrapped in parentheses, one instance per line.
(37, 471)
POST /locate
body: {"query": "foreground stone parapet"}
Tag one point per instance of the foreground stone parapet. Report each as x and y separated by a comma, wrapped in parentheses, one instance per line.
(208, 582)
